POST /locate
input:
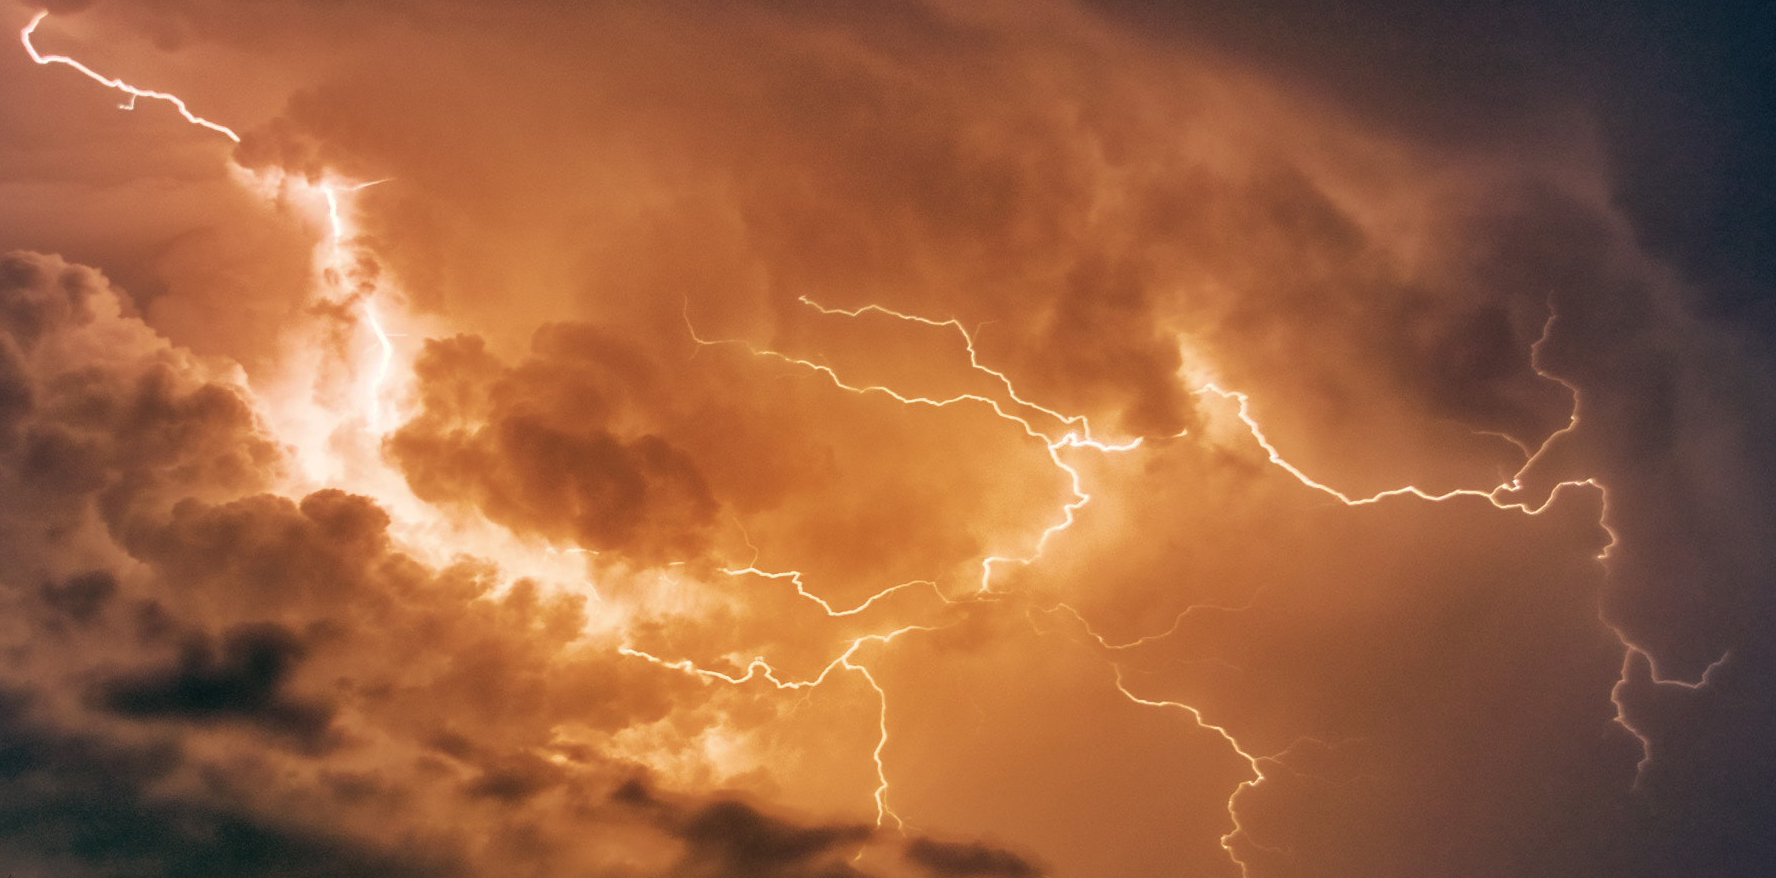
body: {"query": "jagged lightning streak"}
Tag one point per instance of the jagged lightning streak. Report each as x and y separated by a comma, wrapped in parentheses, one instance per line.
(339, 233)
(337, 225)
(1501, 496)
(118, 84)
(1075, 432)
(1077, 435)
(1177, 622)
(1254, 763)
(337, 267)
(794, 577)
(1617, 694)
(758, 669)
(1078, 428)
(1492, 495)
(1071, 421)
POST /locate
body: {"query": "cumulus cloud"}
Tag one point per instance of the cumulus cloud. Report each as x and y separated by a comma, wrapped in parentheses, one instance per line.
(762, 575)
(240, 681)
(524, 468)
(246, 658)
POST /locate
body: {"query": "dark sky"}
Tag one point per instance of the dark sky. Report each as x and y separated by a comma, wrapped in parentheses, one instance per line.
(1684, 96)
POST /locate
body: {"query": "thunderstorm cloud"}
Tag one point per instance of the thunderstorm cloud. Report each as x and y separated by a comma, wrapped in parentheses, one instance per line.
(913, 439)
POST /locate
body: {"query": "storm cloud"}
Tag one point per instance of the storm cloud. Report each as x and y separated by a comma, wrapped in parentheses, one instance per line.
(753, 439)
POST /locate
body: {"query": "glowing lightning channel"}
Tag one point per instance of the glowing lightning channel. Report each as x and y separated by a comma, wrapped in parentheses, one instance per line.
(1629, 652)
(337, 225)
(1492, 495)
(385, 367)
(1629, 649)
(974, 362)
(795, 578)
(758, 668)
(1177, 622)
(118, 84)
(1255, 763)
(1079, 434)
(338, 233)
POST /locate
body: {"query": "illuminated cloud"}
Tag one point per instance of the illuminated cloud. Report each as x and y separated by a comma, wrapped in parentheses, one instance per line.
(919, 439)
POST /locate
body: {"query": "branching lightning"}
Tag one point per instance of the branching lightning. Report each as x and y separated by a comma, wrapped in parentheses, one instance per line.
(1492, 495)
(1056, 431)
(1077, 434)
(338, 266)
(1177, 622)
(759, 669)
(332, 192)
(794, 577)
(1255, 763)
(1629, 652)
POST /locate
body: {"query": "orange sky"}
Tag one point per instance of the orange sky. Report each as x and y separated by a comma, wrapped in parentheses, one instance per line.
(918, 439)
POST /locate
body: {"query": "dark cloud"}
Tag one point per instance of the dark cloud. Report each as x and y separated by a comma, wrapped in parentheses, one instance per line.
(951, 859)
(734, 840)
(80, 805)
(1680, 97)
(82, 597)
(243, 679)
(516, 780)
(530, 450)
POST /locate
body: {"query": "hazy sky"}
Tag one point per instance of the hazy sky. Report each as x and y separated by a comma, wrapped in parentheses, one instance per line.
(801, 440)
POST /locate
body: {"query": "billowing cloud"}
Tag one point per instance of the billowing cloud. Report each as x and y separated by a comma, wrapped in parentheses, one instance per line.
(926, 439)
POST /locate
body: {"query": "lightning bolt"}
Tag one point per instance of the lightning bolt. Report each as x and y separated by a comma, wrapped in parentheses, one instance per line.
(794, 577)
(759, 669)
(1631, 651)
(117, 84)
(1058, 433)
(1492, 495)
(336, 265)
(333, 193)
(1253, 762)
(1177, 622)
(1076, 433)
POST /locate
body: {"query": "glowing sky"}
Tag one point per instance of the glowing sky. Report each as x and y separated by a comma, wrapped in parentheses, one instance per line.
(779, 440)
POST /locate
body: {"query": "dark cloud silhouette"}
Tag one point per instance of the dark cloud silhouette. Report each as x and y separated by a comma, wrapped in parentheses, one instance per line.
(242, 679)
(952, 859)
(734, 840)
(82, 597)
(80, 805)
